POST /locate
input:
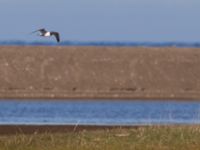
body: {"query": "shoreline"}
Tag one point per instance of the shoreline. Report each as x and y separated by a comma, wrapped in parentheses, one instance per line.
(52, 95)
(39, 129)
(33, 129)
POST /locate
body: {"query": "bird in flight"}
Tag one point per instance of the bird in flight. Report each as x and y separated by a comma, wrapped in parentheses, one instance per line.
(45, 33)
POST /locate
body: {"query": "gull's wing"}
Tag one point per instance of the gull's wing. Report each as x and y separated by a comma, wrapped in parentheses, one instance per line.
(40, 30)
(57, 36)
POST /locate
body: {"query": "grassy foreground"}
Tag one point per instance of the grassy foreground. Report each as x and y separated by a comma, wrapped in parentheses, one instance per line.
(142, 138)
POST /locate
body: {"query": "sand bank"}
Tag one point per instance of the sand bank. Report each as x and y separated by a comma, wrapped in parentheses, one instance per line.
(99, 72)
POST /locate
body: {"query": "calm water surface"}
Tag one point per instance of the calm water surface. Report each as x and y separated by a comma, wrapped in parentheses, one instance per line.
(99, 112)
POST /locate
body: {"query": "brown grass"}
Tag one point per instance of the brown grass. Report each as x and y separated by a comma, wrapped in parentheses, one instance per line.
(143, 138)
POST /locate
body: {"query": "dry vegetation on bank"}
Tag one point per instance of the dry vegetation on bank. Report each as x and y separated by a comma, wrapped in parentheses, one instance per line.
(142, 138)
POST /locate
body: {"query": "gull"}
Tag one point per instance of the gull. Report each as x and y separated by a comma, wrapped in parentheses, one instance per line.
(45, 33)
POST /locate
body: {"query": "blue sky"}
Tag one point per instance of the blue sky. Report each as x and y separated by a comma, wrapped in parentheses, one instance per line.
(105, 20)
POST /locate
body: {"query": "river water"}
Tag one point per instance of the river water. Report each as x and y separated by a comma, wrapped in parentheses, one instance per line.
(98, 112)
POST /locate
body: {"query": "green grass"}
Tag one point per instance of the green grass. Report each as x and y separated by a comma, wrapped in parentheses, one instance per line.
(144, 138)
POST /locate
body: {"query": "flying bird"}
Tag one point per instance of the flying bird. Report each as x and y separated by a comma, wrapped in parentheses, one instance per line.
(45, 33)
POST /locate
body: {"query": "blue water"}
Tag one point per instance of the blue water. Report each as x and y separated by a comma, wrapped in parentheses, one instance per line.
(99, 112)
(102, 43)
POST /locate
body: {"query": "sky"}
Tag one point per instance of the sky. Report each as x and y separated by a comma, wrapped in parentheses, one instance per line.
(102, 20)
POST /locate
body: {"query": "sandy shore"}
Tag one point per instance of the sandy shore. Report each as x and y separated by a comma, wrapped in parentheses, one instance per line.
(99, 72)
(33, 129)
(36, 129)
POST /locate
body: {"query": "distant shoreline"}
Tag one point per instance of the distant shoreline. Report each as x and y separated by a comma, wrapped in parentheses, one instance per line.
(92, 72)
(161, 44)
